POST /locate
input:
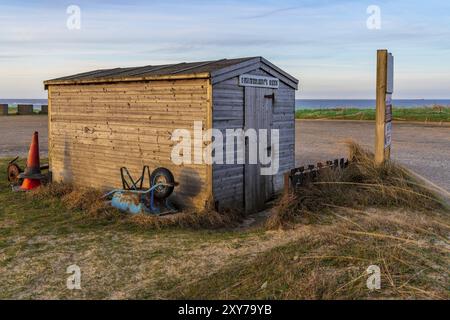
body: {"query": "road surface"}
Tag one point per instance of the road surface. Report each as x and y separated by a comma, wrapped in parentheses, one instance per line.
(16, 133)
(423, 148)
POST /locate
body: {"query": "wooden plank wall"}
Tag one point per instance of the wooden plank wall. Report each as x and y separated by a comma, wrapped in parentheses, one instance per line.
(228, 112)
(98, 128)
(284, 120)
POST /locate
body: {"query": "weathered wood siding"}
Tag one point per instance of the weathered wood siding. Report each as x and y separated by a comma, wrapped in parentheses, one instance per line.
(97, 128)
(284, 120)
(228, 113)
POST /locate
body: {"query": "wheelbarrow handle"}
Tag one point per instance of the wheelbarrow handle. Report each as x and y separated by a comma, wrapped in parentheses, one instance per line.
(135, 191)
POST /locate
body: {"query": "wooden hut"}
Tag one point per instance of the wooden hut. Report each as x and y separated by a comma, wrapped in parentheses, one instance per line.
(102, 120)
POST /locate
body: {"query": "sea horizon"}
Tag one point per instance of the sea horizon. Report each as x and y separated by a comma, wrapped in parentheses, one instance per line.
(303, 103)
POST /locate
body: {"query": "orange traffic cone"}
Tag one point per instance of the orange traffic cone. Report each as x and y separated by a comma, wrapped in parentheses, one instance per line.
(32, 175)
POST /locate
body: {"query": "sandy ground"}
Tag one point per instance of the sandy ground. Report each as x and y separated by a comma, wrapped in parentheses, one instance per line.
(424, 148)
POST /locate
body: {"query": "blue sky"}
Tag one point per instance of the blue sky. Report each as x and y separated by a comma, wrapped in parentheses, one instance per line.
(325, 44)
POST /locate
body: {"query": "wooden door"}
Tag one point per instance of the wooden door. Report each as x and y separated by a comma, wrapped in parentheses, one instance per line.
(258, 115)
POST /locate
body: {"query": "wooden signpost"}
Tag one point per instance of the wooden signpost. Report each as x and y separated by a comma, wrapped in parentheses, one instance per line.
(383, 117)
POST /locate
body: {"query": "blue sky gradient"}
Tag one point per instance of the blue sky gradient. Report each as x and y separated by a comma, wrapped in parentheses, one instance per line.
(325, 44)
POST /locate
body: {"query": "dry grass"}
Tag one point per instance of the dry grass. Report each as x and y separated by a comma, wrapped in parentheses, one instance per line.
(330, 261)
(207, 219)
(362, 184)
(89, 201)
(324, 255)
(348, 220)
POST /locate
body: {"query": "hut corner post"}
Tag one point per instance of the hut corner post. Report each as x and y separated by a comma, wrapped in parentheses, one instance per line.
(382, 151)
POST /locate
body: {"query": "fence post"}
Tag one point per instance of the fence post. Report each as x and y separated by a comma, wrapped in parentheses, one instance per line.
(24, 109)
(383, 114)
(287, 182)
(3, 109)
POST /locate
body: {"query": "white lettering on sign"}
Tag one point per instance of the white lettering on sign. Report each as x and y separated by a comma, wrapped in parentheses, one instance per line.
(387, 134)
(249, 80)
(388, 113)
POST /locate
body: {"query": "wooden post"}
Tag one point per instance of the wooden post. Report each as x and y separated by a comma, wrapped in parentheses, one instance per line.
(383, 116)
(287, 182)
(3, 109)
(24, 109)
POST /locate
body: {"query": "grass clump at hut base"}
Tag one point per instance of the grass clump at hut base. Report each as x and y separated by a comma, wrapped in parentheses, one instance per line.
(85, 200)
(90, 202)
(206, 219)
(361, 185)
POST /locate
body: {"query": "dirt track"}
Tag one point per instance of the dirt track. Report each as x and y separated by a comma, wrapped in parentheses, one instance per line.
(423, 148)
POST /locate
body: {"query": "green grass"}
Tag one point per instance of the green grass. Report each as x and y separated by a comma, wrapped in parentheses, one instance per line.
(325, 257)
(432, 114)
(39, 239)
(12, 110)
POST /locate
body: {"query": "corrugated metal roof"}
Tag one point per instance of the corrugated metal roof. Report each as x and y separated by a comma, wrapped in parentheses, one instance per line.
(157, 70)
(217, 70)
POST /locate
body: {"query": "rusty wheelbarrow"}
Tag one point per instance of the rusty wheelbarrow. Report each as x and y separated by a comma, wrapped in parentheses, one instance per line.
(153, 200)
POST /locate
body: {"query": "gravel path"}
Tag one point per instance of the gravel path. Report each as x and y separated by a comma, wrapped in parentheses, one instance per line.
(425, 148)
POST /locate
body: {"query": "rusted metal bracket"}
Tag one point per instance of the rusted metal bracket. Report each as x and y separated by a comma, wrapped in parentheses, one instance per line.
(301, 176)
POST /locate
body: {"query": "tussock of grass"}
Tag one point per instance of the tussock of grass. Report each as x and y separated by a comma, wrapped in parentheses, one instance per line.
(52, 190)
(207, 219)
(362, 184)
(89, 201)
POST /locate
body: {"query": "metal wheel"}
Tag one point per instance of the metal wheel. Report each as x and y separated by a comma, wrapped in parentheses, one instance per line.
(13, 173)
(162, 175)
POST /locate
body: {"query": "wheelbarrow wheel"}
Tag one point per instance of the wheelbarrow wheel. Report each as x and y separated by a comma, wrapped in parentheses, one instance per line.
(162, 175)
(13, 173)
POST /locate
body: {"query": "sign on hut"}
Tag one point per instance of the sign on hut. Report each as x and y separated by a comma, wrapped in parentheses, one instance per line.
(102, 120)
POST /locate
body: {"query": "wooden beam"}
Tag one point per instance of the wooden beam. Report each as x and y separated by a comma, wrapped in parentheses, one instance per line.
(284, 73)
(203, 75)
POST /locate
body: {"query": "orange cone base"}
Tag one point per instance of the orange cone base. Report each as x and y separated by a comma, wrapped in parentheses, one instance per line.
(30, 184)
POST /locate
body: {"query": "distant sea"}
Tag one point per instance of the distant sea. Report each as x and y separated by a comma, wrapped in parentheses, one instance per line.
(303, 103)
(367, 104)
